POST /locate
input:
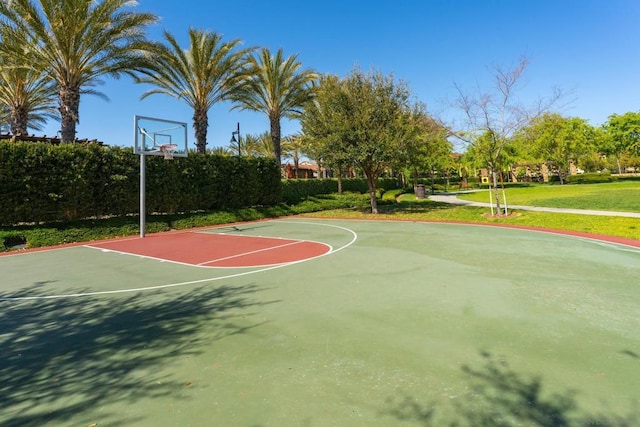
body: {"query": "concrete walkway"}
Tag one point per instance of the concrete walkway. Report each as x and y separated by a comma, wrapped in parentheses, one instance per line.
(453, 199)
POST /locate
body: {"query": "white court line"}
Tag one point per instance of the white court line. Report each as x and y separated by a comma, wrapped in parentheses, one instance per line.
(98, 248)
(210, 232)
(253, 252)
(204, 264)
(194, 282)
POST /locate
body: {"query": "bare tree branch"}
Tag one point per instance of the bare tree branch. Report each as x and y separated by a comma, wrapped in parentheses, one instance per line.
(493, 117)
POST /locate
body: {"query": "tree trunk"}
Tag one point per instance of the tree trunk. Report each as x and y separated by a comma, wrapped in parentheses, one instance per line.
(339, 179)
(275, 138)
(371, 183)
(496, 193)
(69, 112)
(200, 126)
(18, 118)
(433, 181)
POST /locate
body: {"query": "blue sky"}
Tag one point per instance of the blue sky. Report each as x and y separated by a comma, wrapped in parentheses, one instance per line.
(589, 48)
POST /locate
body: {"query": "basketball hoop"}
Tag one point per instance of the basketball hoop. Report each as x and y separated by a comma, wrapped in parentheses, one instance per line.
(167, 150)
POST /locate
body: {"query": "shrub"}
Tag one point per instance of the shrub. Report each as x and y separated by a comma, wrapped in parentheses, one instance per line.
(297, 190)
(590, 178)
(10, 239)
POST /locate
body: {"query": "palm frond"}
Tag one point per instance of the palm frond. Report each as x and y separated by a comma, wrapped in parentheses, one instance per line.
(275, 86)
(206, 73)
(75, 42)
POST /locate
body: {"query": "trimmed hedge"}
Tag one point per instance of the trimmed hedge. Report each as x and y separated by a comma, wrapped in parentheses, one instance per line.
(590, 178)
(44, 183)
(41, 182)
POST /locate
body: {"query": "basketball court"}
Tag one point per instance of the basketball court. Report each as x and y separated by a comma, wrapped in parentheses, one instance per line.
(302, 322)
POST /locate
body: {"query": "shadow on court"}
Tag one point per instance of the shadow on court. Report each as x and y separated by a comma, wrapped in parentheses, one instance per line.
(64, 357)
(501, 397)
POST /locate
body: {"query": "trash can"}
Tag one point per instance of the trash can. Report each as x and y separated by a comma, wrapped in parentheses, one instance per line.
(420, 191)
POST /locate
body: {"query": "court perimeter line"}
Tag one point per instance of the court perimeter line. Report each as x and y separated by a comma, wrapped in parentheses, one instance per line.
(194, 282)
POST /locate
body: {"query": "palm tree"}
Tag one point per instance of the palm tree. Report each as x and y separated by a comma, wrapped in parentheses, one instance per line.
(277, 87)
(293, 147)
(222, 151)
(205, 74)
(4, 119)
(258, 145)
(26, 95)
(76, 42)
(28, 98)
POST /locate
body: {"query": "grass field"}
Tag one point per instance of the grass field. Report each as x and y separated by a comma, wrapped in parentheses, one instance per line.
(410, 209)
(620, 196)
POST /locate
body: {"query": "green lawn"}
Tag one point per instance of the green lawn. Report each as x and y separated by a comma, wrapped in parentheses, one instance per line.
(619, 196)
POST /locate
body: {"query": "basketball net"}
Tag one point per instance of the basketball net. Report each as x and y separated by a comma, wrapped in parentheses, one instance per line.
(167, 150)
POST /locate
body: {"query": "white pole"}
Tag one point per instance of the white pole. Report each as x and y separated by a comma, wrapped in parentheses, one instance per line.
(504, 198)
(142, 195)
(491, 199)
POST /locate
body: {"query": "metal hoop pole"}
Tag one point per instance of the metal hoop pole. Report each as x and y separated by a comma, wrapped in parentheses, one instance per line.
(142, 195)
(239, 146)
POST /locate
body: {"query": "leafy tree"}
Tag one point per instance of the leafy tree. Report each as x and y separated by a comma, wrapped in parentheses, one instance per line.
(205, 74)
(559, 139)
(595, 160)
(623, 135)
(364, 120)
(487, 155)
(494, 116)
(427, 149)
(276, 86)
(466, 165)
(75, 43)
(322, 140)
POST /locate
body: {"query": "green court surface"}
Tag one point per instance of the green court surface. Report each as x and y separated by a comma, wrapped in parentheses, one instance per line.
(402, 323)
